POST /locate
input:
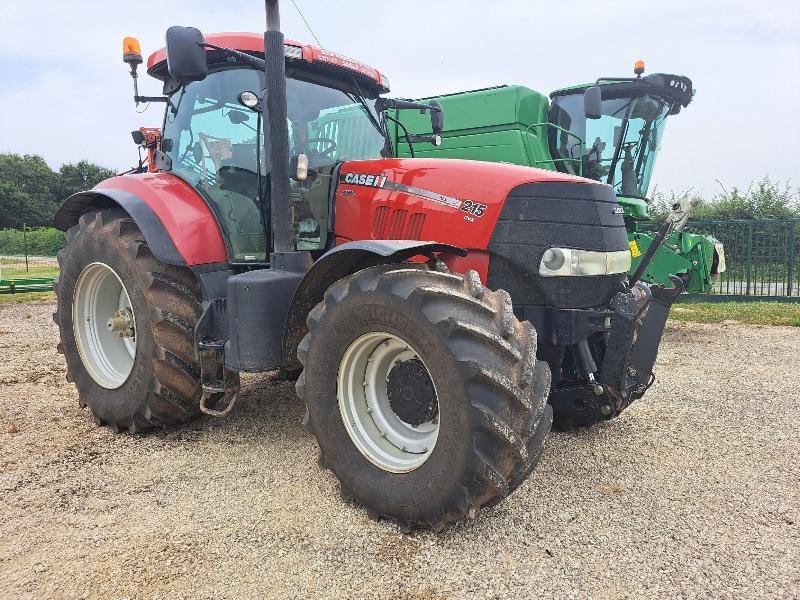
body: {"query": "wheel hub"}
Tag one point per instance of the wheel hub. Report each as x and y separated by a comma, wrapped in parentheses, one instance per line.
(411, 393)
(121, 323)
(395, 430)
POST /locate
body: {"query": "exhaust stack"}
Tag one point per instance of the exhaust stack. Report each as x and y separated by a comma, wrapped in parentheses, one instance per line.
(276, 143)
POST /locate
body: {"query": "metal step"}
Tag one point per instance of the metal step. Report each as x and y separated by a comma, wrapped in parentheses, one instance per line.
(215, 379)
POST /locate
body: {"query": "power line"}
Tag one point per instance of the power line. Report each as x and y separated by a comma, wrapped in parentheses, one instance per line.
(302, 16)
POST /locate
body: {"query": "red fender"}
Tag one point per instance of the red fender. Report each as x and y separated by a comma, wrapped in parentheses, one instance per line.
(184, 214)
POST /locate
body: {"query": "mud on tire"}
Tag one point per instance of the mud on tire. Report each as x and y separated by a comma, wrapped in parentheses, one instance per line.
(164, 383)
(491, 391)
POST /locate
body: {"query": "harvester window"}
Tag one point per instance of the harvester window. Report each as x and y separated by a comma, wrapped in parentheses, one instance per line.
(620, 147)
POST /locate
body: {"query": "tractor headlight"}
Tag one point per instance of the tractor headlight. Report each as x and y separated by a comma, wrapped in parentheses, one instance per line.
(557, 262)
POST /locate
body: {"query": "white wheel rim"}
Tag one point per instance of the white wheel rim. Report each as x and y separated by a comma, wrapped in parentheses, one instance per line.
(374, 428)
(99, 295)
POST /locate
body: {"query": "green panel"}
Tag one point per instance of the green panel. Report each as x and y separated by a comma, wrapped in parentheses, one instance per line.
(479, 109)
(502, 146)
(681, 252)
(635, 208)
(490, 124)
(736, 298)
(29, 284)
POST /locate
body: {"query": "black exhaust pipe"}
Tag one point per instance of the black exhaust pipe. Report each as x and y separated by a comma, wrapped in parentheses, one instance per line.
(276, 142)
(258, 301)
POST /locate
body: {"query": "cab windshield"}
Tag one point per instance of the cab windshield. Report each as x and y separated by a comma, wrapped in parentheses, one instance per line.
(619, 148)
(215, 144)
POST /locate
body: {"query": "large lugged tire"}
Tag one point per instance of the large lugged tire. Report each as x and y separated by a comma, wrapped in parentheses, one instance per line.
(158, 381)
(452, 363)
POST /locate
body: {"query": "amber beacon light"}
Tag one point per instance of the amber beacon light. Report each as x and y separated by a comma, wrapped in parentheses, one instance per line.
(131, 51)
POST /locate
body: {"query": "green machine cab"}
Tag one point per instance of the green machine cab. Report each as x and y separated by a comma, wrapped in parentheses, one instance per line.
(610, 131)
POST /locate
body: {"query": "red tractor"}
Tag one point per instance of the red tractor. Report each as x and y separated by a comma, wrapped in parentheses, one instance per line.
(424, 306)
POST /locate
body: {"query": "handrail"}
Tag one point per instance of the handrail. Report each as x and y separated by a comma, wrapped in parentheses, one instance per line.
(578, 161)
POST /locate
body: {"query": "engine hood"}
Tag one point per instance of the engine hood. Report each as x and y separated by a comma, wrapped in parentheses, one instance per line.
(441, 199)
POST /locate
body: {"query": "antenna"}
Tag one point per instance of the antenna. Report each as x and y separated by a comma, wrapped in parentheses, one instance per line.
(302, 16)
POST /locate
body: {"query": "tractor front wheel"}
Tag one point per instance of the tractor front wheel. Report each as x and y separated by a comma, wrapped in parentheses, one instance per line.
(424, 393)
(127, 323)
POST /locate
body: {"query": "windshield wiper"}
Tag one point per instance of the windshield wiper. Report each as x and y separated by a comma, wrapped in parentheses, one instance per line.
(359, 98)
(618, 148)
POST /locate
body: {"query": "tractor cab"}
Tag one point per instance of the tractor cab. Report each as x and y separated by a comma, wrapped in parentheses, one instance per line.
(213, 137)
(611, 131)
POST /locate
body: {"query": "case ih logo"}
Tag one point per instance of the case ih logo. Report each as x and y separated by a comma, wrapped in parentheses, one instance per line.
(365, 179)
(472, 208)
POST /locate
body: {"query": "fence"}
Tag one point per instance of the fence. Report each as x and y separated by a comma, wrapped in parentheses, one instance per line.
(27, 273)
(762, 259)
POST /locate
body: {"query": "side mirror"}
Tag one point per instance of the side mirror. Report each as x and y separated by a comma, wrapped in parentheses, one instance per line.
(237, 117)
(186, 55)
(593, 102)
(437, 117)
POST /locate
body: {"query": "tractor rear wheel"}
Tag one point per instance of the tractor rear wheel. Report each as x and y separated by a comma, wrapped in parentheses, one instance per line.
(424, 393)
(127, 323)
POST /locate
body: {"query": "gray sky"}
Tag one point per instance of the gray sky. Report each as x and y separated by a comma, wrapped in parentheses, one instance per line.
(65, 93)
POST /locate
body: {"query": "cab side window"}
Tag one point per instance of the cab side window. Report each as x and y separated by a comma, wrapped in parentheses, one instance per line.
(213, 147)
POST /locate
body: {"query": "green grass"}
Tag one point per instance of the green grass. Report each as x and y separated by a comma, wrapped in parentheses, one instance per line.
(34, 271)
(27, 297)
(751, 313)
(14, 268)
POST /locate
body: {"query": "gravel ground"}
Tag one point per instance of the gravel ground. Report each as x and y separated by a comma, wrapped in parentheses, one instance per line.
(693, 492)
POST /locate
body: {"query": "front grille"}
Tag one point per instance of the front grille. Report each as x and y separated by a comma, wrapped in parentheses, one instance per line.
(414, 228)
(537, 216)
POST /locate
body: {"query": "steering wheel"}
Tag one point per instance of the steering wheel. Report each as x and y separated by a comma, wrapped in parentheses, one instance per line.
(326, 151)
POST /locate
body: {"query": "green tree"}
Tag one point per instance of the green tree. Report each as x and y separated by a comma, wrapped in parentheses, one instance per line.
(27, 190)
(763, 199)
(83, 175)
(31, 192)
(17, 208)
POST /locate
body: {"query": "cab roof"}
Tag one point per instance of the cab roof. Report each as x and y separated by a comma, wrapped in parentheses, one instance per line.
(253, 43)
(675, 88)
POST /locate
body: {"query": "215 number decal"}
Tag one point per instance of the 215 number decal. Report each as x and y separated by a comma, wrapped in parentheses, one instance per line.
(473, 208)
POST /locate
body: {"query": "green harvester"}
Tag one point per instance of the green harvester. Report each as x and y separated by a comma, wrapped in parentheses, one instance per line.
(609, 131)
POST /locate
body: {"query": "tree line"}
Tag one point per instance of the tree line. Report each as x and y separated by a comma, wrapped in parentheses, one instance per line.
(31, 192)
(763, 199)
